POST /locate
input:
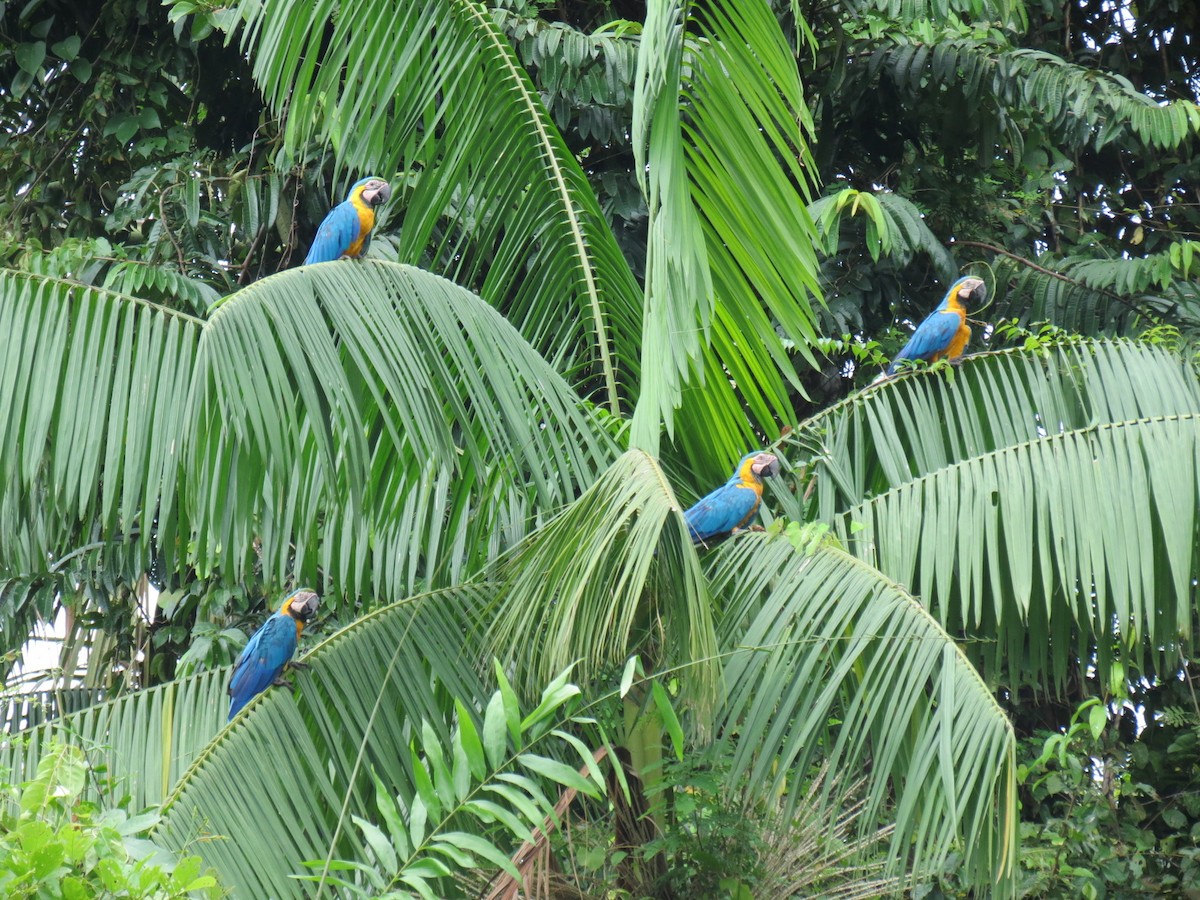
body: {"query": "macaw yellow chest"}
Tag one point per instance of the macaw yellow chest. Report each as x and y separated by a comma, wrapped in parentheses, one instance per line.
(756, 489)
(366, 221)
(958, 342)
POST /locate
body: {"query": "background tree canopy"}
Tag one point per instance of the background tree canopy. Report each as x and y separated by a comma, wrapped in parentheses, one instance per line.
(627, 243)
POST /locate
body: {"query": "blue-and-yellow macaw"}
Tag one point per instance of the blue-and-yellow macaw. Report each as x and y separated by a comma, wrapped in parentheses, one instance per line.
(269, 649)
(734, 503)
(346, 231)
(944, 333)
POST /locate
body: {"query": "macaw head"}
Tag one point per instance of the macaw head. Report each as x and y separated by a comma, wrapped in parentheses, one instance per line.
(372, 190)
(757, 466)
(969, 292)
(301, 604)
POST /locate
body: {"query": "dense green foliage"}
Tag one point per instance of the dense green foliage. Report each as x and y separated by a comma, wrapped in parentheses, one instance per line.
(627, 242)
(55, 844)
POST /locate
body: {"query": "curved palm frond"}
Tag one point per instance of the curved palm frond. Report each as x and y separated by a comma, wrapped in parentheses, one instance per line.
(1100, 297)
(614, 574)
(377, 422)
(1084, 106)
(1046, 499)
(1007, 13)
(491, 785)
(491, 196)
(280, 785)
(829, 660)
(720, 122)
(84, 370)
(894, 227)
(142, 742)
(1028, 295)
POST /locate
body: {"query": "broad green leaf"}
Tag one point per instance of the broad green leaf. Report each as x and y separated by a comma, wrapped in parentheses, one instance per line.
(558, 772)
(663, 703)
(494, 730)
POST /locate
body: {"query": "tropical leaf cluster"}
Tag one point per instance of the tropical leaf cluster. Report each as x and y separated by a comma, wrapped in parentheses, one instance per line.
(492, 776)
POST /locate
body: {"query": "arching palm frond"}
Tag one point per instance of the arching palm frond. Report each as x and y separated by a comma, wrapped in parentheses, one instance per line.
(142, 742)
(379, 422)
(1083, 106)
(85, 371)
(1009, 13)
(488, 193)
(614, 574)
(720, 131)
(1048, 500)
(831, 661)
(1102, 297)
(894, 227)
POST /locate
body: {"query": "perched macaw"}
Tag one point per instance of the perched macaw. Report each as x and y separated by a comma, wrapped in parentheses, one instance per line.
(734, 503)
(269, 649)
(944, 333)
(346, 231)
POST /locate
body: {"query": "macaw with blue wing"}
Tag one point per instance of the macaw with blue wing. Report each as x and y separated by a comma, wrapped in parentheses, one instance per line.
(270, 649)
(733, 504)
(346, 231)
(944, 333)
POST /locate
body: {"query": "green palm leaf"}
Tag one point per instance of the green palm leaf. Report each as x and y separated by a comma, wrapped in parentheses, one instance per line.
(1045, 499)
(614, 574)
(830, 660)
(1083, 105)
(370, 421)
(894, 227)
(490, 197)
(1009, 13)
(143, 742)
(84, 369)
(378, 422)
(721, 124)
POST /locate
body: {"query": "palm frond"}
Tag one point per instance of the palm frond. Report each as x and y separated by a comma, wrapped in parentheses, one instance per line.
(1046, 498)
(280, 785)
(491, 197)
(1083, 106)
(1029, 295)
(894, 227)
(142, 742)
(85, 369)
(830, 660)
(1008, 13)
(721, 123)
(474, 796)
(613, 574)
(376, 422)
(1116, 297)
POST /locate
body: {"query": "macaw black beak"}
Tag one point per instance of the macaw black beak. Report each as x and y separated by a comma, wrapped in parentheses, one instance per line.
(379, 195)
(304, 605)
(973, 295)
(766, 465)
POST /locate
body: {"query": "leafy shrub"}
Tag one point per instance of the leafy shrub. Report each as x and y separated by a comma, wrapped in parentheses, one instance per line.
(55, 845)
